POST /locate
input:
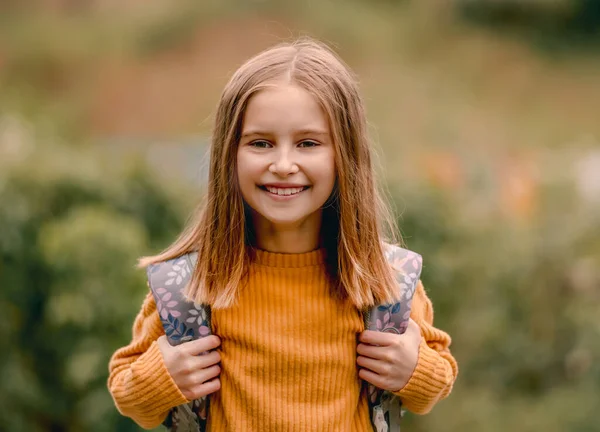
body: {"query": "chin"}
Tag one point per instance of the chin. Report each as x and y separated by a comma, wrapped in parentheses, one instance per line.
(285, 220)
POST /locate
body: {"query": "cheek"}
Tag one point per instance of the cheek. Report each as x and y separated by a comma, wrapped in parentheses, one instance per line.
(328, 173)
(242, 178)
(323, 176)
(249, 174)
(244, 168)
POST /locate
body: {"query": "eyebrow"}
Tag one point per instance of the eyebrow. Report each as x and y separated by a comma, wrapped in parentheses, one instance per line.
(297, 132)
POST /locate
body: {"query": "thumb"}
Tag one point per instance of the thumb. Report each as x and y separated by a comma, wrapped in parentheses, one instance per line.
(163, 344)
(413, 328)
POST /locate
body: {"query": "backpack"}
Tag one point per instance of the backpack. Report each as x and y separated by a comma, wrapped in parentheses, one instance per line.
(184, 321)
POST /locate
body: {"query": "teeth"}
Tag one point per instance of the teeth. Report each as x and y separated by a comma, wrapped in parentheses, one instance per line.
(284, 191)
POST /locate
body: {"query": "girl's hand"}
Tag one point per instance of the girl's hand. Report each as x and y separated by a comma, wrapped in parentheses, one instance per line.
(193, 368)
(388, 360)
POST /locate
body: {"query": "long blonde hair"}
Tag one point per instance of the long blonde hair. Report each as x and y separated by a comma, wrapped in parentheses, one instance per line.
(354, 220)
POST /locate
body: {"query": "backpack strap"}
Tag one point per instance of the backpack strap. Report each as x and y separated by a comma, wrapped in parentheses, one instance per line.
(385, 407)
(393, 317)
(182, 321)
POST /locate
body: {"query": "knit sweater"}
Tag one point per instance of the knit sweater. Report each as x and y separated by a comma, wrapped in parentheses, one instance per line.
(288, 357)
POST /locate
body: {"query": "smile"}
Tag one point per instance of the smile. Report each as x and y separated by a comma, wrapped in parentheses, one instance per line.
(284, 192)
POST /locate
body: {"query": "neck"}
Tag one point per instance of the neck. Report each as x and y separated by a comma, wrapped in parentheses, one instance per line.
(297, 238)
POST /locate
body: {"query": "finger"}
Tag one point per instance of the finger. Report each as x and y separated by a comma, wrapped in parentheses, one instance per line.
(164, 345)
(376, 366)
(162, 341)
(204, 361)
(204, 375)
(206, 388)
(374, 352)
(371, 377)
(413, 332)
(198, 346)
(413, 326)
(377, 338)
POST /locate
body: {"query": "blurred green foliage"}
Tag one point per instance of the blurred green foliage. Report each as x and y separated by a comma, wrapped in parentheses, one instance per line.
(557, 24)
(71, 229)
(522, 305)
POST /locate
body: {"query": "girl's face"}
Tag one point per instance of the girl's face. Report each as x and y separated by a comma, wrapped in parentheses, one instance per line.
(286, 158)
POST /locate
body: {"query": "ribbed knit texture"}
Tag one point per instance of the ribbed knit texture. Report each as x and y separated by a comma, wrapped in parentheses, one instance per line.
(288, 353)
(288, 357)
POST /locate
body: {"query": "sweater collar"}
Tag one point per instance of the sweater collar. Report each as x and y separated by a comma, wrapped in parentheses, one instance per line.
(289, 260)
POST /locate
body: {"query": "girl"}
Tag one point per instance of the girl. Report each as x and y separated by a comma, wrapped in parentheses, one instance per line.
(290, 253)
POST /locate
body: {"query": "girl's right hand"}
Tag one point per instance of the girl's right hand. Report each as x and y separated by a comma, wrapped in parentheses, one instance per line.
(196, 375)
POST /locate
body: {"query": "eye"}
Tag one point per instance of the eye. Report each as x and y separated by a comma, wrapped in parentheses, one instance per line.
(306, 143)
(261, 144)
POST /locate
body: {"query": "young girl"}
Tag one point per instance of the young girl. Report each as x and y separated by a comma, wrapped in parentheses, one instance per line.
(290, 254)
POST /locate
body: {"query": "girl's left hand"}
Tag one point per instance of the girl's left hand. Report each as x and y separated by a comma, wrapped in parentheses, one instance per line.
(388, 360)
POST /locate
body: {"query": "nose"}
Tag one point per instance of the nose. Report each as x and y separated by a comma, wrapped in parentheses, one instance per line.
(284, 164)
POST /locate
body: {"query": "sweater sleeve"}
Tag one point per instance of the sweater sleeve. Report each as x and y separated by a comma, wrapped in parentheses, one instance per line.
(436, 369)
(138, 381)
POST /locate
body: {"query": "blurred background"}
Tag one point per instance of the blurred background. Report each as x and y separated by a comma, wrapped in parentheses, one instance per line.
(486, 118)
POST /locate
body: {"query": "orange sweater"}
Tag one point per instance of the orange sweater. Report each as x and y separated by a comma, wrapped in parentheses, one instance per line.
(288, 357)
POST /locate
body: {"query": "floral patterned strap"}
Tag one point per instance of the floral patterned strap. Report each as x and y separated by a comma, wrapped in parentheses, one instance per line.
(393, 317)
(386, 408)
(182, 321)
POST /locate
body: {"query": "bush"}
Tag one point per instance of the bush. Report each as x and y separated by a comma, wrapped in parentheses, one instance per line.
(521, 301)
(71, 230)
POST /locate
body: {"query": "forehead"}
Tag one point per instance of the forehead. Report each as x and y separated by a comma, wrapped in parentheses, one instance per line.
(284, 108)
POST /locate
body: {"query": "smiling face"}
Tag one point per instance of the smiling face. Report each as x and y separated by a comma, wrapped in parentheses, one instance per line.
(286, 157)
